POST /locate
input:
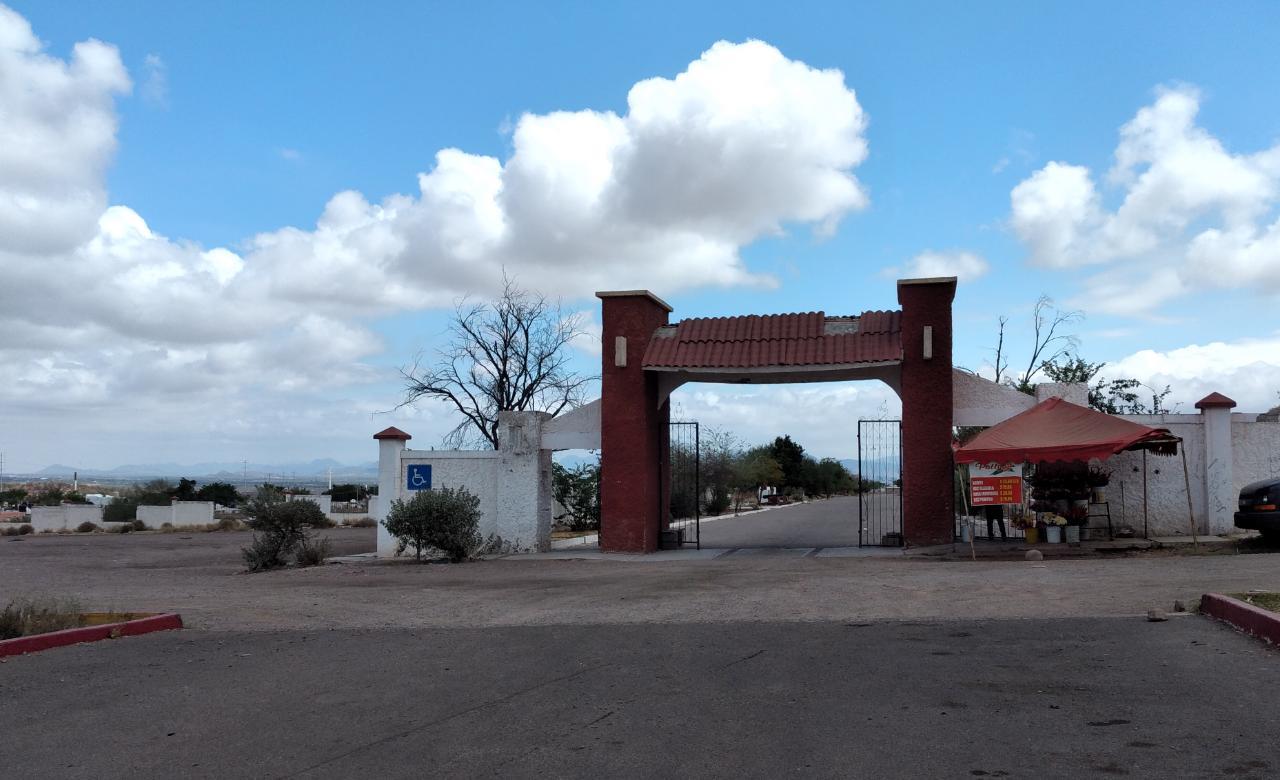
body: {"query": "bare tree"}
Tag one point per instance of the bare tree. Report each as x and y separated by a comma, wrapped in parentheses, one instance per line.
(1049, 344)
(508, 355)
(1002, 360)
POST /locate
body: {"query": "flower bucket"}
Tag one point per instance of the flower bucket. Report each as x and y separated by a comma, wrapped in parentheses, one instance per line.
(1073, 534)
(1099, 495)
(1053, 535)
(1033, 535)
(966, 532)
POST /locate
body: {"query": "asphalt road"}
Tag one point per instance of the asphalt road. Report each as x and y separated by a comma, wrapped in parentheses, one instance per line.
(826, 523)
(1016, 698)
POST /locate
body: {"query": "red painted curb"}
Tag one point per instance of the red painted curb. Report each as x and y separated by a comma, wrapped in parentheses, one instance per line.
(1257, 621)
(74, 636)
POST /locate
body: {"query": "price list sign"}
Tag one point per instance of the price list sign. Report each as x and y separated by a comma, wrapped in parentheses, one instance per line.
(991, 484)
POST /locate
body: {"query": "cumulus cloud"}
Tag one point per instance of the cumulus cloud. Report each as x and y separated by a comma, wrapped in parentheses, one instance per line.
(1247, 370)
(965, 266)
(102, 312)
(56, 139)
(1188, 212)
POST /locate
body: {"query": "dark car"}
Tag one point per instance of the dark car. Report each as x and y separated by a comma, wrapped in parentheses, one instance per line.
(1260, 507)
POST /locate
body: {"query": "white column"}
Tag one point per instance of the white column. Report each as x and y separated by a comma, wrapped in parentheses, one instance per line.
(523, 482)
(390, 447)
(1219, 489)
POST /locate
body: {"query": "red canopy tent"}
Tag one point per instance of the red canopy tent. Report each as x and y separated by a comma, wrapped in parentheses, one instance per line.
(1056, 430)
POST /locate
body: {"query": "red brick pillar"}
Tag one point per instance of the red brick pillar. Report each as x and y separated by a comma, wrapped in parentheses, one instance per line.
(632, 427)
(928, 498)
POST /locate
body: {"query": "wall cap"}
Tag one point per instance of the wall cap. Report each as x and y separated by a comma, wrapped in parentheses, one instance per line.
(392, 433)
(634, 294)
(1215, 401)
(928, 280)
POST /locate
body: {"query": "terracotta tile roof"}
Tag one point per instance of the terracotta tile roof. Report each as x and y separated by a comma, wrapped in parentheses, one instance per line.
(392, 433)
(778, 340)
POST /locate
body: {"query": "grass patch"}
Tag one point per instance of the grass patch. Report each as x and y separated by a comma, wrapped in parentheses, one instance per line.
(1267, 601)
(27, 616)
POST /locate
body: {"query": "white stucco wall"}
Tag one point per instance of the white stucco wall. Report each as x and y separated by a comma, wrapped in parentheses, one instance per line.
(1255, 449)
(513, 482)
(1167, 508)
(55, 518)
(154, 516)
(179, 514)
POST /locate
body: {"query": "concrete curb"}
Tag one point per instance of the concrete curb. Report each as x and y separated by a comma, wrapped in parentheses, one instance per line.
(1252, 620)
(74, 636)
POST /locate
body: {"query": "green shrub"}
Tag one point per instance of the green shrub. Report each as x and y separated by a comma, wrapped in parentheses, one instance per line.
(121, 510)
(24, 617)
(446, 519)
(86, 528)
(312, 552)
(279, 527)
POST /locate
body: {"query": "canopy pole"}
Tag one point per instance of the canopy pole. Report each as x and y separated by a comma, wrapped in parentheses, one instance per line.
(960, 472)
(1146, 530)
(1191, 512)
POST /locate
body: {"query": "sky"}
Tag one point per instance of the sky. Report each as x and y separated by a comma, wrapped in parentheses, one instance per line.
(224, 228)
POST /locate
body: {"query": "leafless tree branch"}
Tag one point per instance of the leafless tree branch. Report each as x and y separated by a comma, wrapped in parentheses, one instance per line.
(508, 355)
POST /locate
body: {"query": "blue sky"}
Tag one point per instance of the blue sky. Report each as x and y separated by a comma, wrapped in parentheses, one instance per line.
(246, 118)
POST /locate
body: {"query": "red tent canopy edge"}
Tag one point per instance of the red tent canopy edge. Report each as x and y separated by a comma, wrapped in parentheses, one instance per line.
(1057, 430)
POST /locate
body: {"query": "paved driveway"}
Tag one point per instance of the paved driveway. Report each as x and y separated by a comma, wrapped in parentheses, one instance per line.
(829, 523)
(1016, 698)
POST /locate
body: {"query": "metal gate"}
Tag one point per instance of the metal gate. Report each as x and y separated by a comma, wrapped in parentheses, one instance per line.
(684, 500)
(880, 483)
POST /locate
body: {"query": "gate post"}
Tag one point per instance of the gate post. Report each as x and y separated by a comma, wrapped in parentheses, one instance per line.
(928, 497)
(632, 426)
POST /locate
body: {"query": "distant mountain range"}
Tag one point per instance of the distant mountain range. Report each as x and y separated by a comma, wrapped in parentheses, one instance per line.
(220, 470)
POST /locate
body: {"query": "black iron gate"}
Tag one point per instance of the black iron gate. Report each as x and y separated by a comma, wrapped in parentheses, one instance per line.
(680, 473)
(880, 483)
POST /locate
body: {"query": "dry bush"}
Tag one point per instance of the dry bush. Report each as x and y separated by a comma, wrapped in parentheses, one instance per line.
(87, 528)
(27, 616)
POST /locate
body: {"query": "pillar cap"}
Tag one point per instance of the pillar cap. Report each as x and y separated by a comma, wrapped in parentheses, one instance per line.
(634, 294)
(1215, 401)
(392, 433)
(928, 280)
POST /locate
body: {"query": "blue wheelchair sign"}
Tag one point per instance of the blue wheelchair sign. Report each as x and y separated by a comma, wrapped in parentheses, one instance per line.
(419, 476)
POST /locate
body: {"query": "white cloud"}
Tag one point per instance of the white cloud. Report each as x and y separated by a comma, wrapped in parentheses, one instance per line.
(292, 155)
(1246, 370)
(965, 266)
(758, 414)
(103, 313)
(1189, 212)
(155, 82)
(56, 138)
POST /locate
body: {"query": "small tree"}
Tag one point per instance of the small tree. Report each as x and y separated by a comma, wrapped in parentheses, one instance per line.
(223, 493)
(578, 491)
(445, 519)
(279, 528)
(755, 469)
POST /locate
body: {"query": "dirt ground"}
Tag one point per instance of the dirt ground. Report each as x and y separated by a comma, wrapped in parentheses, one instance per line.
(199, 575)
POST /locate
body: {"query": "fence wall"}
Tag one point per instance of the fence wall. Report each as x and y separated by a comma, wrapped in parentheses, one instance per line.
(513, 482)
(68, 516)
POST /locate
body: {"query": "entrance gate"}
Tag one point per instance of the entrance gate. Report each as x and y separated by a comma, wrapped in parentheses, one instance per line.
(880, 483)
(683, 480)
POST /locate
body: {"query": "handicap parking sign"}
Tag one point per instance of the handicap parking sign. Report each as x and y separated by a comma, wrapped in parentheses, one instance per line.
(419, 476)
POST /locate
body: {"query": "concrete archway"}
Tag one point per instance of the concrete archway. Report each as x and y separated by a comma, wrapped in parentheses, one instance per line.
(645, 358)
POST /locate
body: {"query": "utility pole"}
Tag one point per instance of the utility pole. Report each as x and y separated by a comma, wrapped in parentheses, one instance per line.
(246, 475)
